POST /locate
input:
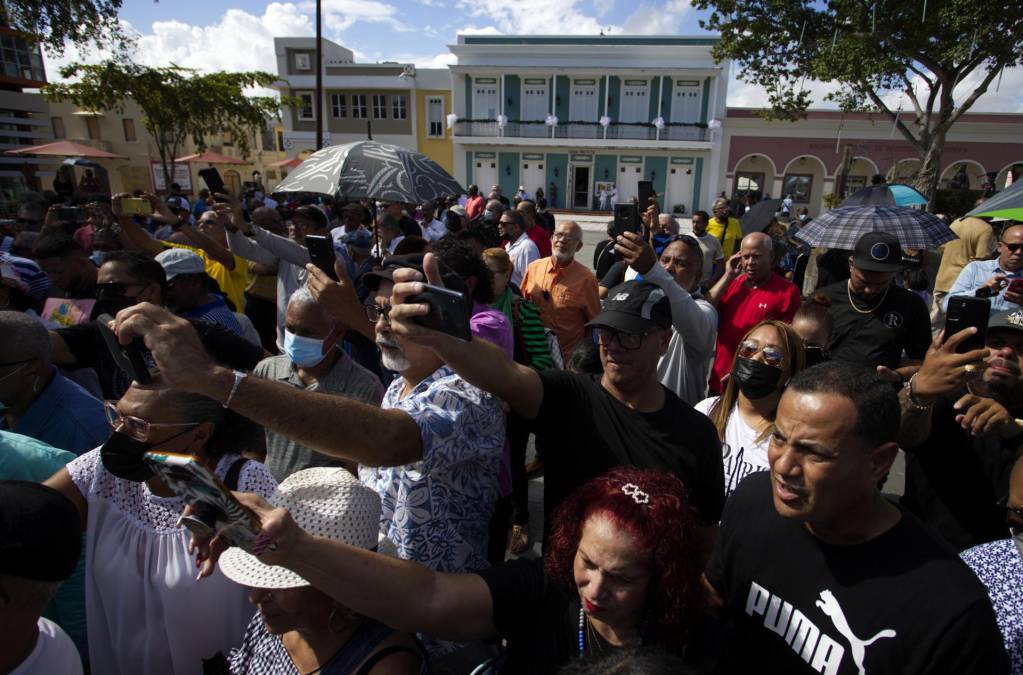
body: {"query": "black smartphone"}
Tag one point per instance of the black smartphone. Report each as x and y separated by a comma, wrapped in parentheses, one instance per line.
(627, 219)
(321, 253)
(133, 358)
(449, 311)
(213, 180)
(646, 193)
(963, 312)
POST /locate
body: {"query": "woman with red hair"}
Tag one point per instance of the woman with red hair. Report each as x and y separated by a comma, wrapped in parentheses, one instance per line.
(622, 570)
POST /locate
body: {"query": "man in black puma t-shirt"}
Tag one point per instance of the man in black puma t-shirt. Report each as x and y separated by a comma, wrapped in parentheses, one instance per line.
(816, 572)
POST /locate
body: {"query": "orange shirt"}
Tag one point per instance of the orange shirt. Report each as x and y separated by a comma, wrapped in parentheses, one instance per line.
(567, 298)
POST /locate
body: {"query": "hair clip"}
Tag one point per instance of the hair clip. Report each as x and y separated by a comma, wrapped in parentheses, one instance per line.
(637, 495)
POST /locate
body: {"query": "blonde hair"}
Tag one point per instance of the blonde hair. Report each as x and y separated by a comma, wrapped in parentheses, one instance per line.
(500, 256)
(795, 357)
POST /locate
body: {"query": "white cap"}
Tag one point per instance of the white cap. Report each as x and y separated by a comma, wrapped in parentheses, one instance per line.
(178, 261)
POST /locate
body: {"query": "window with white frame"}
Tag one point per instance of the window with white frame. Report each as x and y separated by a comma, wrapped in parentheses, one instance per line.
(306, 109)
(399, 107)
(302, 61)
(435, 117)
(379, 106)
(359, 106)
(338, 105)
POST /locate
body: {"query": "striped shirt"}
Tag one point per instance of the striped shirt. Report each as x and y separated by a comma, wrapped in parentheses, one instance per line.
(30, 272)
(216, 312)
(531, 346)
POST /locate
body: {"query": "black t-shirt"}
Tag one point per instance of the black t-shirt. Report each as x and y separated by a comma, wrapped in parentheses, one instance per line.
(90, 351)
(585, 431)
(538, 617)
(900, 322)
(604, 256)
(902, 602)
(954, 479)
(614, 275)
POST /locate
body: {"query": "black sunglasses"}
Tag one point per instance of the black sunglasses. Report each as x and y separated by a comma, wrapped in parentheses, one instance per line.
(1013, 516)
(1015, 248)
(114, 288)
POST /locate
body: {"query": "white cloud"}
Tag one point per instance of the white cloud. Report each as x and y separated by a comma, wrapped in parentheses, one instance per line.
(239, 41)
(652, 19)
(535, 16)
(485, 30)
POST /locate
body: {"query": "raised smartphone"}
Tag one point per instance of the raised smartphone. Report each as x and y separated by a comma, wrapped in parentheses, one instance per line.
(965, 311)
(449, 311)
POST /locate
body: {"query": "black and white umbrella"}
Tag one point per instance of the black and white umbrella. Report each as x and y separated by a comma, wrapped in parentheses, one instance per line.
(371, 170)
(842, 227)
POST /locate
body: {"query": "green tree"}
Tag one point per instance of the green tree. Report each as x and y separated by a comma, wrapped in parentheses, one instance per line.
(52, 22)
(920, 50)
(176, 103)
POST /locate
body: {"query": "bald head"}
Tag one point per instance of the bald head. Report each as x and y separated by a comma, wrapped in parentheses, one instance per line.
(496, 206)
(268, 219)
(668, 223)
(756, 252)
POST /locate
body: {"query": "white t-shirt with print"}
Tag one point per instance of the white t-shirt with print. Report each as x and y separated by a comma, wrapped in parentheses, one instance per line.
(740, 451)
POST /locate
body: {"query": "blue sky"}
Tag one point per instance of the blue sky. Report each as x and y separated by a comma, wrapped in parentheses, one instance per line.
(238, 34)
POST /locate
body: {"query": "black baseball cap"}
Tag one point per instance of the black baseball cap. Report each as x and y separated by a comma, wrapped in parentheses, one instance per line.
(414, 260)
(1011, 319)
(40, 532)
(878, 252)
(635, 307)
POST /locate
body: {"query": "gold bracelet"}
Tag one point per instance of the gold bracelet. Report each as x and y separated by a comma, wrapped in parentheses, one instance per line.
(911, 396)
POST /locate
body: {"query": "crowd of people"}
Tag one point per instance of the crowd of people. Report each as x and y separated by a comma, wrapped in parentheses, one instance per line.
(715, 442)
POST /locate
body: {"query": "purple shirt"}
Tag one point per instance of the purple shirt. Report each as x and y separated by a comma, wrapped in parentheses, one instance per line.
(492, 325)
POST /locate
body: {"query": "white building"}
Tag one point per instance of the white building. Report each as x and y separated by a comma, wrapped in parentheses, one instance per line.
(583, 113)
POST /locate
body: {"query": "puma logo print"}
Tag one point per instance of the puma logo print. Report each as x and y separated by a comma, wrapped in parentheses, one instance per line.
(819, 650)
(829, 605)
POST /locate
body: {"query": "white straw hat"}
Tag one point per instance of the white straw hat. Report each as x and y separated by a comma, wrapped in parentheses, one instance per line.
(325, 501)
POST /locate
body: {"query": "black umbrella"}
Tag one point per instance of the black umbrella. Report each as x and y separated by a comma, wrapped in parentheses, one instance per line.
(371, 170)
(759, 215)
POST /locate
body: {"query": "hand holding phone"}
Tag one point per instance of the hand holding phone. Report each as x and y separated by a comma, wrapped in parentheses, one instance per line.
(133, 358)
(136, 206)
(212, 179)
(217, 510)
(321, 253)
(1015, 287)
(626, 219)
(449, 311)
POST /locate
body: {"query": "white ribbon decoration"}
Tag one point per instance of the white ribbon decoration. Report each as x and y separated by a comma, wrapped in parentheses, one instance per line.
(452, 118)
(659, 123)
(502, 121)
(551, 121)
(714, 124)
(605, 121)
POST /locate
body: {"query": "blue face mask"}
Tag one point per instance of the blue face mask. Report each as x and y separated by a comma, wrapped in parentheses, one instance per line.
(304, 352)
(97, 257)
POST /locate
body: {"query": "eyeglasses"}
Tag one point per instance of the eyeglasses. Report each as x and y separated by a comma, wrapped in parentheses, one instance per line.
(136, 427)
(114, 288)
(1014, 248)
(374, 312)
(628, 341)
(750, 348)
(558, 236)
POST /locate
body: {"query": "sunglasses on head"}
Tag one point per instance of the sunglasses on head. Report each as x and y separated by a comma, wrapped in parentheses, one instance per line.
(750, 348)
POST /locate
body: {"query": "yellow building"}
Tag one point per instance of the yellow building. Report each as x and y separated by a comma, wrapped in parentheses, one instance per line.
(433, 138)
(123, 133)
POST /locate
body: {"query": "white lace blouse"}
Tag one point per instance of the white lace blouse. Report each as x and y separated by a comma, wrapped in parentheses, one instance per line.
(146, 612)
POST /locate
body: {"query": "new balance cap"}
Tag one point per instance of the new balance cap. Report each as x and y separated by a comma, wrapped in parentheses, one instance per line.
(635, 307)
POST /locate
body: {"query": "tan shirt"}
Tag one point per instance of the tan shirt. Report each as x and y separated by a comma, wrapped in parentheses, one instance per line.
(567, 298)
(976, 242)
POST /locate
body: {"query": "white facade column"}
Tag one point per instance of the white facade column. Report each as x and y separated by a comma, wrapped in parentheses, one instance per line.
(717, 147)
(657, 109)
(554, 98)
(500, 103)
(607, 95)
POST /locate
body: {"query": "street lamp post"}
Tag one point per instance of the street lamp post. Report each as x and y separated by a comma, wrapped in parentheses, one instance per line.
(319, 80)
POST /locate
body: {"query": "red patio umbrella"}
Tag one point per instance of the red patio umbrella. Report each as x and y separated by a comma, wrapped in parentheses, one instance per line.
(286, 163)
(209, 157)
(66, 149)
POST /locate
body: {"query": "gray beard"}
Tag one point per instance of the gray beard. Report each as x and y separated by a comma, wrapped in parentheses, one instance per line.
(396, 362)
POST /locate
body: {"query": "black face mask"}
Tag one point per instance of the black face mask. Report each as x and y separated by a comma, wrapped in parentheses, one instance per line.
(756, 379)
(122, 456)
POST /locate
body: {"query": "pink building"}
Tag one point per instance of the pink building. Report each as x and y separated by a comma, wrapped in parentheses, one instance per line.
(802, 158)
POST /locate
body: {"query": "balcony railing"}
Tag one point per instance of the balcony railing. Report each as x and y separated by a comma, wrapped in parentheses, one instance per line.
(641, 131)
